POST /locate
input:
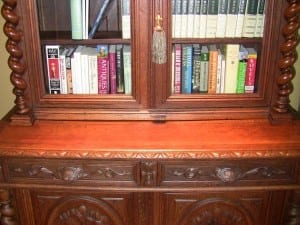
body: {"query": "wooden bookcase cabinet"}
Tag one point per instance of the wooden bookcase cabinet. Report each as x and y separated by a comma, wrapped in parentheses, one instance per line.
(196, 166)
(151, 83)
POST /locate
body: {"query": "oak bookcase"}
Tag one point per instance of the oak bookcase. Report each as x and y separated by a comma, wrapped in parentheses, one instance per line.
(150, 157)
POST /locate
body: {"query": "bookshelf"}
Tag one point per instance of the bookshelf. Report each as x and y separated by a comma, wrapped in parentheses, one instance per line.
(149, 153)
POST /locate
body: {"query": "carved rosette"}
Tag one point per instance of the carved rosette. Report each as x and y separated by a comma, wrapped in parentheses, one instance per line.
(216, 212)
(7, 212)
(289, 56)
(15, 60)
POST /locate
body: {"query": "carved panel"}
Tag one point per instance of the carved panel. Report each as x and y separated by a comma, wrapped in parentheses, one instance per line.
(221, 173)
(292, 214)
(148, 173)
(216, 208)
(7, 211)
(72, 171)
(82, 208)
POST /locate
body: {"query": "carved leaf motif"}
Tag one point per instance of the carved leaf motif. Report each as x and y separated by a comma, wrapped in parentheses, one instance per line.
(110, 173)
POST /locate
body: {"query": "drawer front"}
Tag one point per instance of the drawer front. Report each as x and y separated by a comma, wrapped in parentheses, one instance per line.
(230, 172)
(72, 171)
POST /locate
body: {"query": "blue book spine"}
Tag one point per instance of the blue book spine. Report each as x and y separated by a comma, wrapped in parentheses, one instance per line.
(187, 69)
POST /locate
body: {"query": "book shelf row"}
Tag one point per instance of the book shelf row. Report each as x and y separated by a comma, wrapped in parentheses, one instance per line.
(213, 69)
(101, 69)
(217, 18)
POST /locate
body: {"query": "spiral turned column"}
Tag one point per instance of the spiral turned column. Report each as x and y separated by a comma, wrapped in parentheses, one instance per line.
(289, 56)
(15, 63)
(7, 211)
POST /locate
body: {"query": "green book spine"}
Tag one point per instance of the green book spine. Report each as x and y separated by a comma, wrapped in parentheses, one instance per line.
(76, 19)
(204, 57)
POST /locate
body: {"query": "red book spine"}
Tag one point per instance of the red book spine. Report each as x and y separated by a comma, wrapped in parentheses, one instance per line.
(250, 75)
(177, 69)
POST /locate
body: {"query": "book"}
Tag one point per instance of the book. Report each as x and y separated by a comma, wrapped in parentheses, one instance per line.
(126, 24)
(69, 55)
(63, 70)
(76, 19)
(232, 59)
(186, 67)
(127, 69)
(260, 19)
(232, 16)
(84, 75)
(222, 18)
(220, 72)
(103, 69)
(240, 18)
(173, 9)
(93, 70)
(251, 71)
(85, 18)
(212, 18)
(190, 18)
(242, 66)
(196, 68)
(197, 18)
(76, 70)
(250, 18)
(177, 18)
(119, 70)
(204, 59)
(184, 19)
(212, 69)
(52, 58)
(112, 69)
(99, 18)
(203, 18)
(177, 69)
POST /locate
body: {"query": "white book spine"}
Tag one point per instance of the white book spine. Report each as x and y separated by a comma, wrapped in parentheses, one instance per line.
(126, 22)
(190, 19)
(63, 74)
(93, 72)
(184, 19)
(232, 59)
(222, 18)
(203, 18)
(240, 18)
(197, 17)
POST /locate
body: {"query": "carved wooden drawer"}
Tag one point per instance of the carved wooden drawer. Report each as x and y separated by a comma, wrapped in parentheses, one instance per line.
(218, 173)
(72, 171)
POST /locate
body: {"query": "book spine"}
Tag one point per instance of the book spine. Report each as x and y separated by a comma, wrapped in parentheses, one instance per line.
(240, 18)
(222, 18)
(52, 55)
(259, 27)
(232, 59)
(112, 69)
(103, 69)
(204, 69)
(250, 18)
(76, 19)
(126, 24)
(99, 18)
(197, 17)
(187, 69)
(69, 55)
(203, 18)
(243, 58)
(251, 71)
(177, 22)
(84, 79)
(177, 69)
(173, 5)
(93, 71)
(190, 18)
(219, 71)
(212, 69)
(184, 19)
(119, 70)
(232, 16)
(212, 19)
(63, 71)
(196, 68)
(127, 69)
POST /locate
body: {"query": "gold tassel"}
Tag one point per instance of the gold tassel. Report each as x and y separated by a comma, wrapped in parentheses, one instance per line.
(159, 46)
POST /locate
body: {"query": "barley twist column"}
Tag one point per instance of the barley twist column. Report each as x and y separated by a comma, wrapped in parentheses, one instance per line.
(289, 56)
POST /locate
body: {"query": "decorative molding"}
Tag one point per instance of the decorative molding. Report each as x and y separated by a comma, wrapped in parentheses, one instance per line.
(16, 62)
(151, 154)
(7, 211)
(110, 173)
(289, 56)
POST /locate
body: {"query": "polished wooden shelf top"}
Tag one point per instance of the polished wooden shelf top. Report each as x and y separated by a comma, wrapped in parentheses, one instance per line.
(146, 139)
